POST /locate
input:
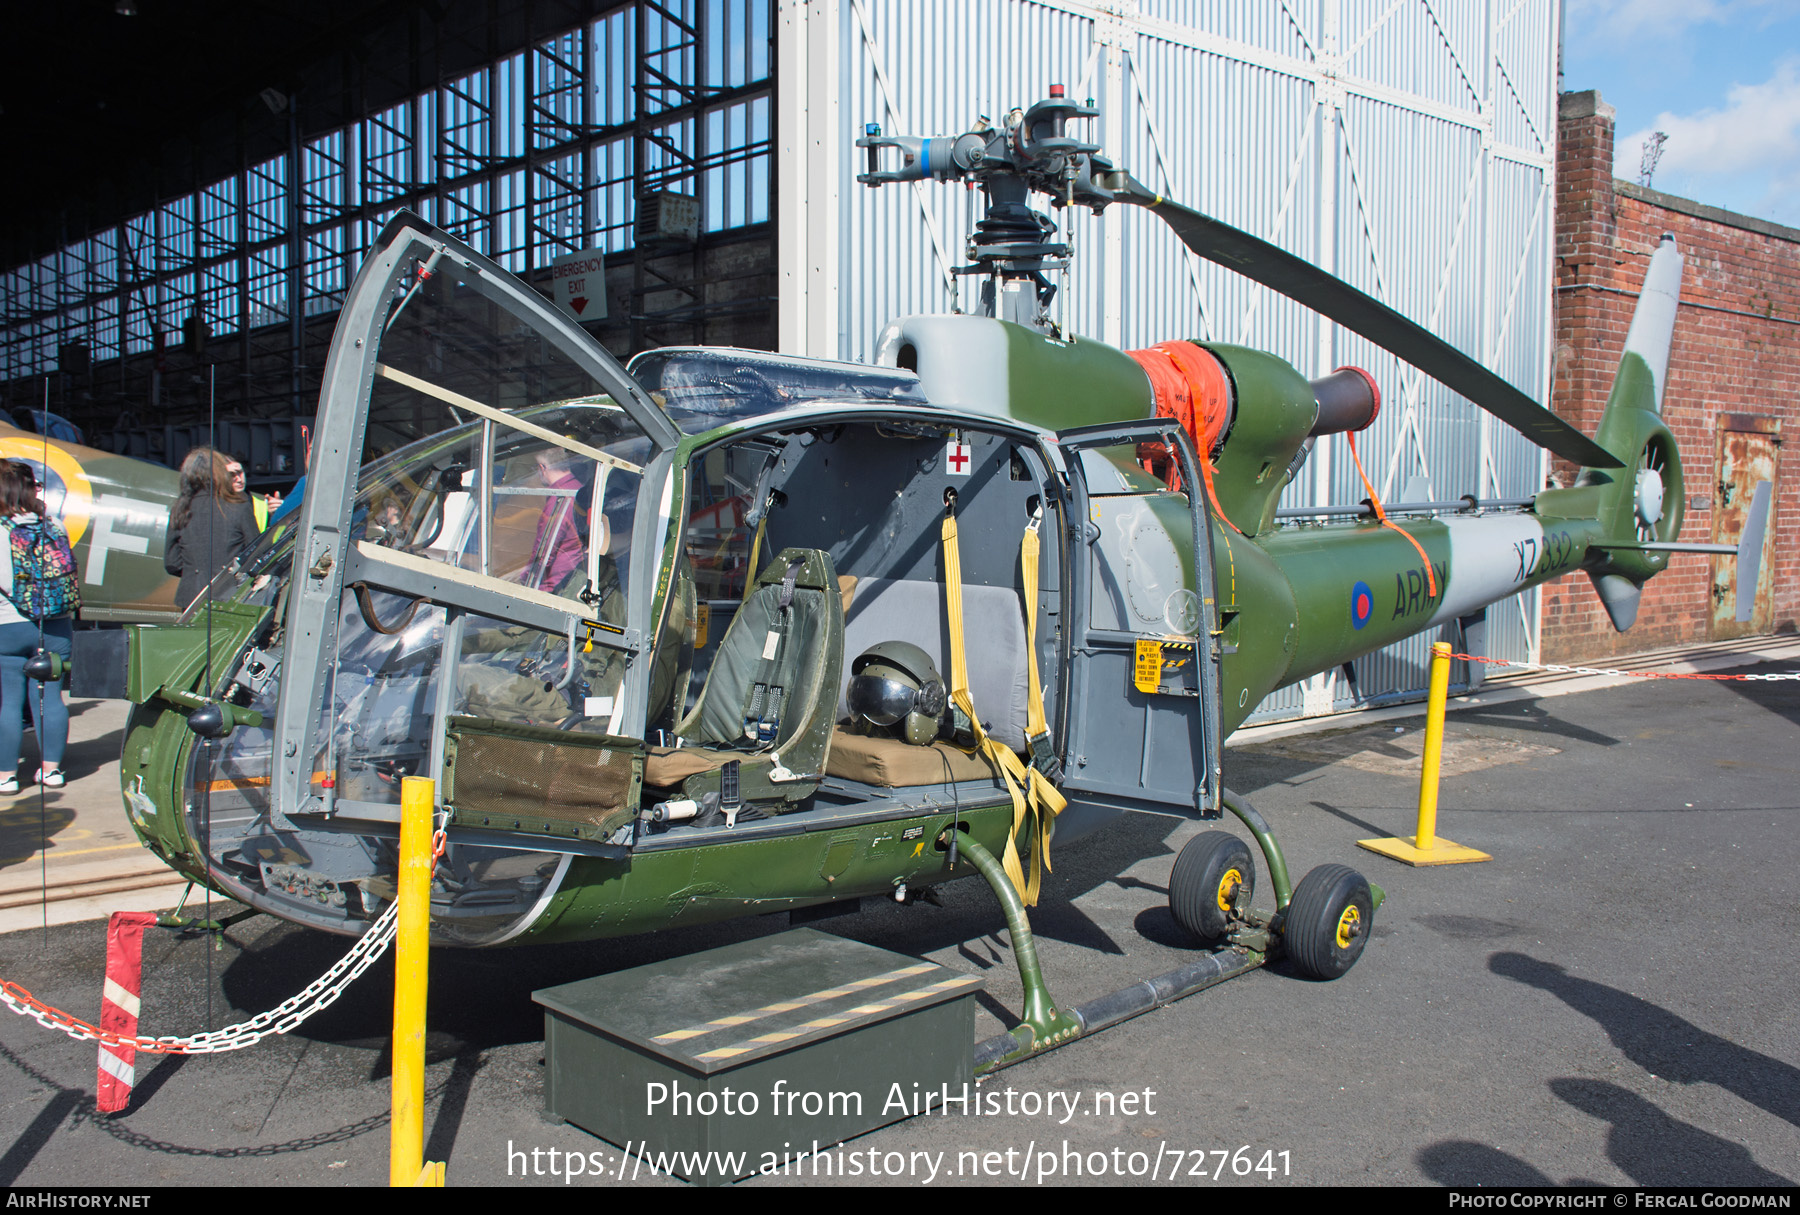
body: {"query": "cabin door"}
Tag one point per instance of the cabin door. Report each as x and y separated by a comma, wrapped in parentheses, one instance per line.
(1140, 711)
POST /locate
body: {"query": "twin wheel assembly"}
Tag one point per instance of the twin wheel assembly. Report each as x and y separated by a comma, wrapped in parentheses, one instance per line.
(1322, 929)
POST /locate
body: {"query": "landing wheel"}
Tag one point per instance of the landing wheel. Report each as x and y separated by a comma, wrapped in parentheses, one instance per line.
(1328, 921)
(1208, 874)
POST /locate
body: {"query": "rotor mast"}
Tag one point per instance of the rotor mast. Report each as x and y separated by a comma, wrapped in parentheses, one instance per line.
(1014, 247)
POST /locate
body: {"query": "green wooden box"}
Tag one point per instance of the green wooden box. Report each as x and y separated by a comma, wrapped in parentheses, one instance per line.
(753, 1053)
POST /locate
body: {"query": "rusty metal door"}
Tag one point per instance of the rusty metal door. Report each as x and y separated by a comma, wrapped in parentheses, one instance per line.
(1749, 447)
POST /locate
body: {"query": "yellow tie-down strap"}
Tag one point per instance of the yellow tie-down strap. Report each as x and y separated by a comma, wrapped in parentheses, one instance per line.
(1033, 796)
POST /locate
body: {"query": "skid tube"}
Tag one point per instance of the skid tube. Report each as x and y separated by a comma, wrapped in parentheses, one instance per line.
(1044, 1027)
(1146, 995)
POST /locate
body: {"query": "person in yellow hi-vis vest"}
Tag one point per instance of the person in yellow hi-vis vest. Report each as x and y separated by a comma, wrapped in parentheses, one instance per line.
(262, 505)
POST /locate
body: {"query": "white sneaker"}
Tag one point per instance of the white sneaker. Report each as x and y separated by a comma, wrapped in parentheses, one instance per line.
(9, 787)
(53, 779)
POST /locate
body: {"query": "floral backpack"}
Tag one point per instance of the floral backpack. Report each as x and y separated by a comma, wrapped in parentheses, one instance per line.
(45, 584)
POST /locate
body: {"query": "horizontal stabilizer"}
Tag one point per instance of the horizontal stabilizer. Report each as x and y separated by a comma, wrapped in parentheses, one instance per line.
(1677, 546)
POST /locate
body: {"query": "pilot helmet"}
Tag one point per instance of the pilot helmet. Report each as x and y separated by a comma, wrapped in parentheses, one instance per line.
(896, 686)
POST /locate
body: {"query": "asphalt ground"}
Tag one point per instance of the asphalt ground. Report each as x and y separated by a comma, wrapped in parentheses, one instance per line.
(1611, 1000)
(74, 844)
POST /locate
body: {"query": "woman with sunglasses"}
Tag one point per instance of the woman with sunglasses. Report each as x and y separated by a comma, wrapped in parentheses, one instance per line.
(211, 524)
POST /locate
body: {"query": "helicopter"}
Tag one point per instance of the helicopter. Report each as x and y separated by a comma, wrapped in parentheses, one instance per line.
(614, 611)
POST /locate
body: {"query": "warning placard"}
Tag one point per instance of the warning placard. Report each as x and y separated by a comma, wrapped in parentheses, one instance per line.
(578, 283)
(1147, 674)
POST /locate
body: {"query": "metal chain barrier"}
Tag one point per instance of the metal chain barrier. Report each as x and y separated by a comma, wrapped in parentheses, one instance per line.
(320, 994)
(1562, 670)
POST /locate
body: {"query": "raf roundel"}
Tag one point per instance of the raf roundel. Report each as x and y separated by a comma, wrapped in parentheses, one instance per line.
(65, 485)
(1362, 604)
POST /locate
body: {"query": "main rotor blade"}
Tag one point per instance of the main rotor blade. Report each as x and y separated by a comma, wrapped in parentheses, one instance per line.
(1331, 297)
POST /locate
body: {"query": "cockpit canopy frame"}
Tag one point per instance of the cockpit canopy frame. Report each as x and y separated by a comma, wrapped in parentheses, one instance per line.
(411, 258)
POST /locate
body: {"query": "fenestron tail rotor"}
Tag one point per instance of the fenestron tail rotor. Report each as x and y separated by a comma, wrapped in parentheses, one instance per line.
(1362, 314)
(1649, 489)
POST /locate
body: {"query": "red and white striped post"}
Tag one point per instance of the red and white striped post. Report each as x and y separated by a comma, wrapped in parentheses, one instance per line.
(119, 1006)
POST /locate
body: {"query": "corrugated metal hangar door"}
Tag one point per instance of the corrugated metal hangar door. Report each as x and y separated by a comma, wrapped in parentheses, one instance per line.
(1405, 145)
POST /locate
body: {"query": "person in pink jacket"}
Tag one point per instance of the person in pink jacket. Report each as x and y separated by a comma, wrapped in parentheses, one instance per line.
(560, 548)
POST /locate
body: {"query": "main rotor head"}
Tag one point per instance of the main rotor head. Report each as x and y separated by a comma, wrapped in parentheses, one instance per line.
(1030, 152)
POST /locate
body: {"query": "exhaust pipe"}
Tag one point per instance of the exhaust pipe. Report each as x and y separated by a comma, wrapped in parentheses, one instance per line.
(1348, 400)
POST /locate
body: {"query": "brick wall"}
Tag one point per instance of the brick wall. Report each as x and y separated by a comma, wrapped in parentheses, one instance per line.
(1736, 350)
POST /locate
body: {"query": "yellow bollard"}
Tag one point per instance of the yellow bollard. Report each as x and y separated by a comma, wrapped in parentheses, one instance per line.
(1426, 848)
(1426, 837)
(406, 1137)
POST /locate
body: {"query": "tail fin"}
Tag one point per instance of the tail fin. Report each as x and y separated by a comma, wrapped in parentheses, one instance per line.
(1644, 501)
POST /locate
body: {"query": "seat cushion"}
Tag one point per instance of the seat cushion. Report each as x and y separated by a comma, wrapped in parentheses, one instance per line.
(893, 764)
(667, 767)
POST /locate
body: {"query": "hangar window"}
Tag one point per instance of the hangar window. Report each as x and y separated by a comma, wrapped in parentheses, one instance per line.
(175, 301)
(26, 345)
(668, 156)
(464, 214)
(175, 235)
(612, 40)
(387, 154)
(509, 107)
(612, 201)
(71, 282)
(140, 320)
(40, 285)
(103, 330)
(219, 296)
(540, 152)
(325, 273)
(467, 122)
(737, 43)
(266, 200)
(140, 247)
(554, 113)
(104, 265)
(556, 211)
(322, 187)
(268, 293)
(737, 176)
(509, 220)
(218, 232)
(668, 54)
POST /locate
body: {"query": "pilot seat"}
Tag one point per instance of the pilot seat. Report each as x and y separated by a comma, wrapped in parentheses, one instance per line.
(770, 698)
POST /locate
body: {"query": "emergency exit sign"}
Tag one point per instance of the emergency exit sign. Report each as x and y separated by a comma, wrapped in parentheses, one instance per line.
(578, 283)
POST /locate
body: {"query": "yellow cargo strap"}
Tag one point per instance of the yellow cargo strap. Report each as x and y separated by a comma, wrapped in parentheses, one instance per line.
(1037, 730)
(756, 544)
(1032, 794)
